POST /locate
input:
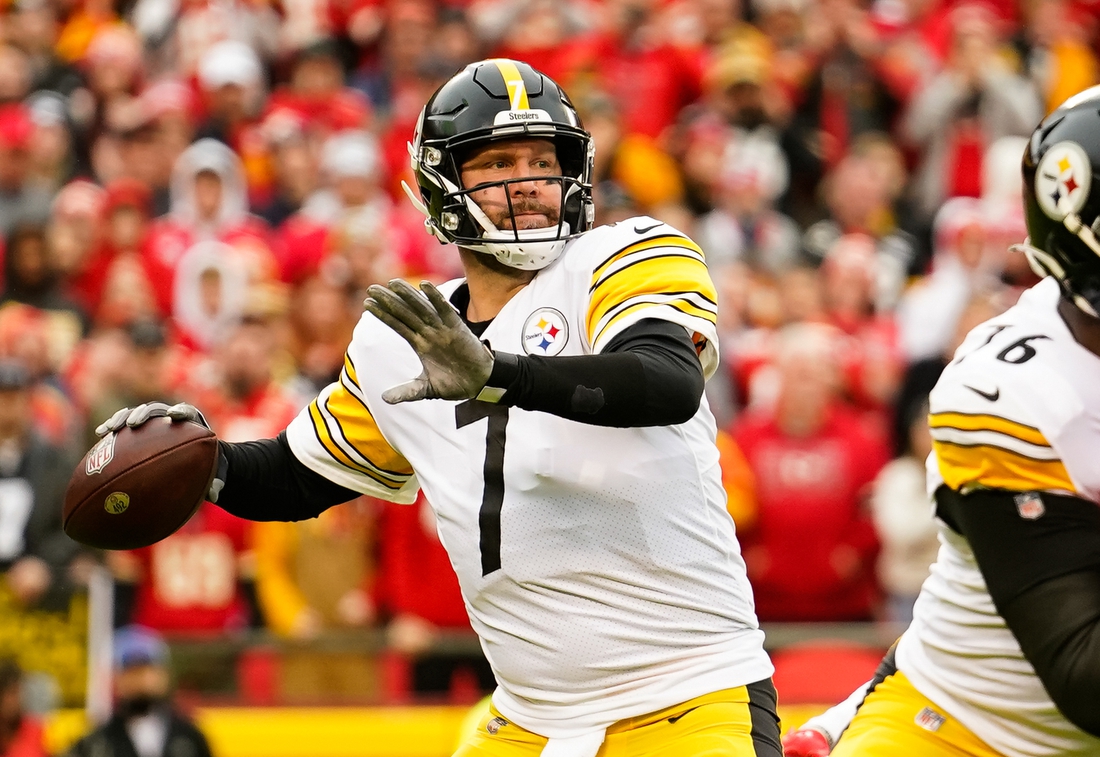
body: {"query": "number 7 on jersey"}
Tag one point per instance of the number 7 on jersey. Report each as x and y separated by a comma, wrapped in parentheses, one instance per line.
(492, 496)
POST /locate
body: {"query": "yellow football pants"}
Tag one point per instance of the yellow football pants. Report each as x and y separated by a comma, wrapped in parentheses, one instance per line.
(722, 724)
(896, 720)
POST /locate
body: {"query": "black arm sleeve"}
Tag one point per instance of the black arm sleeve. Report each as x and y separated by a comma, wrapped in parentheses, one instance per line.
(265, 481)
(1043, 574)
(649, 375)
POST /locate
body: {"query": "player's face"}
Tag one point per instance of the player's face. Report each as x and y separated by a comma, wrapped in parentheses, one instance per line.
(536, 204)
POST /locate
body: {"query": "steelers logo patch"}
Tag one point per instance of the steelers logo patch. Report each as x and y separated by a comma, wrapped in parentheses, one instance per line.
(1062, 180)
(545, 332)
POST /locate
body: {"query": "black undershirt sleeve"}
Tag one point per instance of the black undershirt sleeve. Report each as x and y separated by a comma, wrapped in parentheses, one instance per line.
(265, 481)
(649, 375)
(1043, 574)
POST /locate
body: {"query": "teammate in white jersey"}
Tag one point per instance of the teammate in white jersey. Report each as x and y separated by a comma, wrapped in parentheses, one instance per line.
(550, 405)
(1003, 655)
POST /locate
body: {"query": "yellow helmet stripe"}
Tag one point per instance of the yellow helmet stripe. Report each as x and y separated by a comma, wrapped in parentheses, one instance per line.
(517, 91)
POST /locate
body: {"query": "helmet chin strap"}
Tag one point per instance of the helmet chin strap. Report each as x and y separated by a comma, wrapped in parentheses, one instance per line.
(1044, 264)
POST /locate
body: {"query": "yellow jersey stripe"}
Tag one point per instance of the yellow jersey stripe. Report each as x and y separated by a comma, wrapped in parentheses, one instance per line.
(672, 275)
(665, 240)
(358, 428)
(320, 428)
(987, 422)
(517, 90)
(350, 368)
(683, 306)
(964, 466)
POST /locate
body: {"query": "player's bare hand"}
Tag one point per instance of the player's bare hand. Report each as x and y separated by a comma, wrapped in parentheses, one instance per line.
(181, 411)
(456, 363)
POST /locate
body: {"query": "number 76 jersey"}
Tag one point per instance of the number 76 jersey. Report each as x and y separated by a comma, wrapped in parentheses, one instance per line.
(1018, 409)
(599, 565)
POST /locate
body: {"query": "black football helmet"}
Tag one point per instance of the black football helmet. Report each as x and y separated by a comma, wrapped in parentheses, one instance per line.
(495, 100)
(1061, 205)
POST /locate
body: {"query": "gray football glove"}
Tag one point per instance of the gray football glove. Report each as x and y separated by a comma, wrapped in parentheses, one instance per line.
(134, 417)
(456, 363)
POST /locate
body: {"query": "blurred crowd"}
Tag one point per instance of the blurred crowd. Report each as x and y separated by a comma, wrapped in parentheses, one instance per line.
(194, 195)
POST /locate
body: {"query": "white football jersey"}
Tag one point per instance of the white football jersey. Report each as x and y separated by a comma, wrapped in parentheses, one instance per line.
(599, 565)
(1001, 419)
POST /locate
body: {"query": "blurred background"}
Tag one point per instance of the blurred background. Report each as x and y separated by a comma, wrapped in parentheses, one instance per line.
(194, 195)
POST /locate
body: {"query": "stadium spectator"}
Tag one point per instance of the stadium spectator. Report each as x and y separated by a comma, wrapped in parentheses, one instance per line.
(647, 174)
(973, 101)
(209, 202)
(870, 359)
(963, 264)
(236, 387)
(861, 195)
(198, 581)
(317, 574)
(20, 199)
(145, 723)
(317, 94)
(52, 150)
(1061, 62)
(295, 174)
(323, 317)
(631, 60)
(420, 597)
(39, 562)
(745, 224)
(811, 553)
(901, 510)
(21, 735)
(35, 31)
(30, 276)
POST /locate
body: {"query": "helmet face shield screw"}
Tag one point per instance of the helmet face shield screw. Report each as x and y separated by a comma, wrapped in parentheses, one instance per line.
(432, 156)
(450, 221)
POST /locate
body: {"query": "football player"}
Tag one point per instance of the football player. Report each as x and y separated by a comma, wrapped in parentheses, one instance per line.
(549, 404)
(1002, 658)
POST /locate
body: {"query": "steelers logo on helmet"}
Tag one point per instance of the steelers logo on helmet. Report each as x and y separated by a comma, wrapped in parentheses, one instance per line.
(545, 332)
(1062, 180)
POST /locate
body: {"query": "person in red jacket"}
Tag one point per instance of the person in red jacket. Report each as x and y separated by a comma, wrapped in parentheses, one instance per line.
(418, 588)
(20, 734)
(191, 582)
(811, 553)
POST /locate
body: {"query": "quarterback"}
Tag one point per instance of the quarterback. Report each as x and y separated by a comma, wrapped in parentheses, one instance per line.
(1003, 655)
(550, 405)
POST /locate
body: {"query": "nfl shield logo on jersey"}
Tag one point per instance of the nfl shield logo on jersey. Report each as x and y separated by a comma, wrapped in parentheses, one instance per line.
(1030, 505)
(929, 719)
(494, 725)
(100, 455)
(545, 332)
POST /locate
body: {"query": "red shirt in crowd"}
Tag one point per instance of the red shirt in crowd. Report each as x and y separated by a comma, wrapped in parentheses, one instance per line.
(191, 580)
(811, 553)
(29, 740)
(415, 576)
(261, 415)
(650, 84)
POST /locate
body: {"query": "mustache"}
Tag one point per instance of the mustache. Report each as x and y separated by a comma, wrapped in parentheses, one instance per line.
(531, 206)
(520, 207)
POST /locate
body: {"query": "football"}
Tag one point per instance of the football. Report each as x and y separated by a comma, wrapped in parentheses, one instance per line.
(138, 485)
